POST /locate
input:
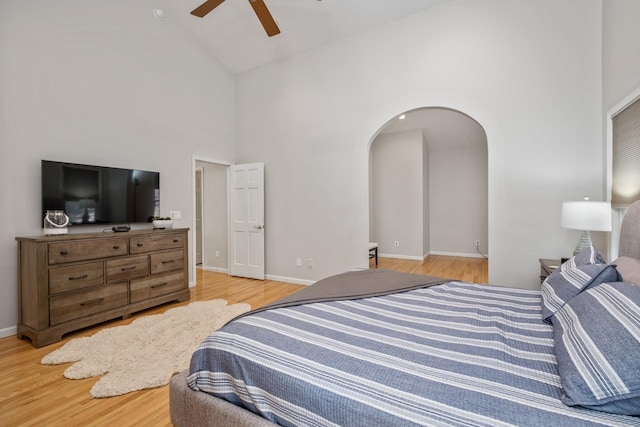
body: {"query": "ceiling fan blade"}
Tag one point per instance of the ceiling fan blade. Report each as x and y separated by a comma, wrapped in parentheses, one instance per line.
(206, 7)
(265, 17)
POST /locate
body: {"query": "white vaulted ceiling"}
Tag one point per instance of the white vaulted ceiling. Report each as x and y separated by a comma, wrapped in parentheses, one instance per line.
(234, 35)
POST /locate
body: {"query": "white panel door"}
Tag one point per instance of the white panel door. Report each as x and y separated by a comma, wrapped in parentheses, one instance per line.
(246, 214)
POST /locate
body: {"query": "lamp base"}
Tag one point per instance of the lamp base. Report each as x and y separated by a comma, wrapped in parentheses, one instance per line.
(583, 243)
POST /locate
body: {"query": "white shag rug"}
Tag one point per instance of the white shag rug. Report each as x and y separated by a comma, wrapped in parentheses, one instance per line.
(146, 352)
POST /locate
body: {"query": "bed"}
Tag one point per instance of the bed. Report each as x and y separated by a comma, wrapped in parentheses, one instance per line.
(417, 350)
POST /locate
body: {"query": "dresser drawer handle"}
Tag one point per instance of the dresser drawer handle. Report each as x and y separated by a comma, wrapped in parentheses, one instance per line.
(159, 285)
(175, 240)
(128, 268)
(116, 247)
(169, 262)
(93, 302)
(140, 245)
(84, 276)
(64, 253)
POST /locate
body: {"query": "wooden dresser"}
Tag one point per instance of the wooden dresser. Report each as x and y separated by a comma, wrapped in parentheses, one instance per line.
(72, 281)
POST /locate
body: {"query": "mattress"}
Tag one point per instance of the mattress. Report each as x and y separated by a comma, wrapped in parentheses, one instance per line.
(451, 354)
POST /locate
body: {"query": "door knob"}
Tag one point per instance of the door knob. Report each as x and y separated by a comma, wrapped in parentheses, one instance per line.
(259, 227)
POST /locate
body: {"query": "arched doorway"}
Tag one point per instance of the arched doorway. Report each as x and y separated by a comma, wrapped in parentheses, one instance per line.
(428, 185)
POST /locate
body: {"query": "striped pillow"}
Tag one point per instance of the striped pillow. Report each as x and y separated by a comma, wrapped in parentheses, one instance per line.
(589, 255)
(597, 343)
(563, 284)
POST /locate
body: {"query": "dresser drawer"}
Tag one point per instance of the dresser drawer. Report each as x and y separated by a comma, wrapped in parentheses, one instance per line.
(143, 289)
(74, 277)
(167, 261)
(127, 268)
(156, 243)
(63, 308)
(79, 250)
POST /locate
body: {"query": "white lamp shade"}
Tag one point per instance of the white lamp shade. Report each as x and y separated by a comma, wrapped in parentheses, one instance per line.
(586, 215)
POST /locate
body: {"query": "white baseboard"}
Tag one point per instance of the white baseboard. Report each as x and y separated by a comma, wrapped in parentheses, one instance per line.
(290, 280)
(215, 269)
(267, 276)
(418, 258)
(464, 255)
(7, 332)
(394, 256)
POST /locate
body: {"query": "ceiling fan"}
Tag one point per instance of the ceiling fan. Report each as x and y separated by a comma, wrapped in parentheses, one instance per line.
(259, 8)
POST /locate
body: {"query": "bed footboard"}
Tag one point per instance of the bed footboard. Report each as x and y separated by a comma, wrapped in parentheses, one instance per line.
(193, 408)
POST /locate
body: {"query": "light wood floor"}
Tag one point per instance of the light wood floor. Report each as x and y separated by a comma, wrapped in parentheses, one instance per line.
(36, 395)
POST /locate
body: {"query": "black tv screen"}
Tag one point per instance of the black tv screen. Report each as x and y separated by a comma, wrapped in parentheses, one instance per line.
(100, 195)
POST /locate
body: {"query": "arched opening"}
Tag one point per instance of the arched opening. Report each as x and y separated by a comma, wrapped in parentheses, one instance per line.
(428, 185)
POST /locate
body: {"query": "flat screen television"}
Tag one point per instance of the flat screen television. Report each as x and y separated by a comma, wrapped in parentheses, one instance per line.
(94, 195)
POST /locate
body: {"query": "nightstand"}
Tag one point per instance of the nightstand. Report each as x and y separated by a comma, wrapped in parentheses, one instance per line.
(548, 266)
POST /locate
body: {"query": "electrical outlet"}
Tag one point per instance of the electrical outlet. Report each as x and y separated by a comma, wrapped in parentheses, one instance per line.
(298, 262)
(217, 254)
(396, 243)
(175, 214)
(477, 243)
(309, 263)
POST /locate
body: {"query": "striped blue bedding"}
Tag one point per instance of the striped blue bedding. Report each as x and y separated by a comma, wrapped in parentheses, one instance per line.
(456, 354)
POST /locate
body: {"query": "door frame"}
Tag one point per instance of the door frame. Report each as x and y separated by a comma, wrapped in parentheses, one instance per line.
(194, 160)
(197, 211)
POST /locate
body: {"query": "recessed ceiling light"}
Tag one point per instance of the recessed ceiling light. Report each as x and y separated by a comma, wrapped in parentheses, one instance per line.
(158, 13)
(402, 116)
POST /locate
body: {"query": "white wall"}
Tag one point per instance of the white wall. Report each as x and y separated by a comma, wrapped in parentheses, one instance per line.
(101, 83)
(528, 72)
(458, 183)
(215, 216)
(621, 44)
(398, 184)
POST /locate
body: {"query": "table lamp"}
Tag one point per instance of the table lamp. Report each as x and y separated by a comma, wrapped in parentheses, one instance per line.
(586, 216)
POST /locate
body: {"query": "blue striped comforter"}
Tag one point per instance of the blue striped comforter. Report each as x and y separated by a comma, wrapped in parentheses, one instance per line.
(456, 354)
